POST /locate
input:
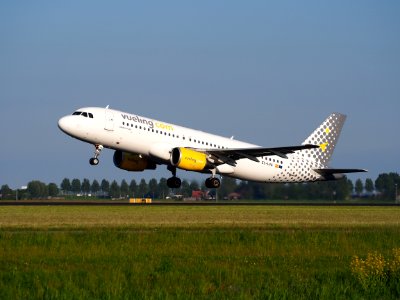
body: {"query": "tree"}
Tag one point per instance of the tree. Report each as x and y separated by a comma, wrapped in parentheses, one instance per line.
(369, 185)
(105, 187)
(344, 188)
(37, 189)
(85, 188)
(185, 188)
(194, 185)
(163, 188)
(76, 186)
(228, 185)
(53, 190)
(142, 188)
(66, 186)
(115, 191)
(153, 188)
(95, 187)
(244, 189)
(5, 191)
(293, 191)
(133, 188)
(386, 185)
(273, 190)
(359, 187)
(124, 188)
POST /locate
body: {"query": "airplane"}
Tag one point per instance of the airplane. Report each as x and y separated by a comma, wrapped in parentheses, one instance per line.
(142, 143)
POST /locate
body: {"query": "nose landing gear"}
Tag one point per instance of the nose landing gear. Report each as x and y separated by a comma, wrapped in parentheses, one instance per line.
(94, 161)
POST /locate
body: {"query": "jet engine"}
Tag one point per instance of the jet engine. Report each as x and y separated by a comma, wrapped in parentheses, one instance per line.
(132, 162)
(188, 159)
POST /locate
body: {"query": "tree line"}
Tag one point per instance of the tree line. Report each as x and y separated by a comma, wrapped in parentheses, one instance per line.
(383, 188)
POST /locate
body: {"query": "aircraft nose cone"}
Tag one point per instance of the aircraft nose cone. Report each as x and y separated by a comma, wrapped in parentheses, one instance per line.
(64, 124)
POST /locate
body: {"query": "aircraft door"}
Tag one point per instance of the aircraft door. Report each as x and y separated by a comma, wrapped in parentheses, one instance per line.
(109, 121)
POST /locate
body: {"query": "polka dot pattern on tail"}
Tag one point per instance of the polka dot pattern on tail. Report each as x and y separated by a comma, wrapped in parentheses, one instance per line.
(326, 136)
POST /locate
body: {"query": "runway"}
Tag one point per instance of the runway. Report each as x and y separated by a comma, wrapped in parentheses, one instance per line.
(187, 203)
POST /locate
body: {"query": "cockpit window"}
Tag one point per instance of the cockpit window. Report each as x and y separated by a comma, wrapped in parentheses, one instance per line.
(84, 114)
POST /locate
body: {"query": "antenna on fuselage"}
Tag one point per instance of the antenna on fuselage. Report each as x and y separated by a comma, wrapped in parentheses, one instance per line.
(107, 106)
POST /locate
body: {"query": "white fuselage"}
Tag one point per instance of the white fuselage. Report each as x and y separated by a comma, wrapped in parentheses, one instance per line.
(154, 139)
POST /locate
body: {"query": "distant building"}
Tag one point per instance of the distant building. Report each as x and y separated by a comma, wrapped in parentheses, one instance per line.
(234, 196)
(201, 195)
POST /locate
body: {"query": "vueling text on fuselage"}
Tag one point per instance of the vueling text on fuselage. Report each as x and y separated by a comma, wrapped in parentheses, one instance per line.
(148, 122)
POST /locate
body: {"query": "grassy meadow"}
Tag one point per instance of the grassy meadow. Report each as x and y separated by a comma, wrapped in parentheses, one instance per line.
(168, 252)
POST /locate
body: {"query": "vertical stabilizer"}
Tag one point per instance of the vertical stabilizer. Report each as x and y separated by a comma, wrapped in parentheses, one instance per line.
(326, 136)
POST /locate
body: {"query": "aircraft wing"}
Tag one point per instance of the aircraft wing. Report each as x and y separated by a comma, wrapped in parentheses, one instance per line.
(230, 156)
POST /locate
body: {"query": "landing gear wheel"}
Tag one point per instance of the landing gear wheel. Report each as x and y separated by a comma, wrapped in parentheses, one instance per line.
(213, 183)
(94, 161)
(174, 182)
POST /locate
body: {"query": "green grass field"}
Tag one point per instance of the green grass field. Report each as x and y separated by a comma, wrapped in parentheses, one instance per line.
(169, 252)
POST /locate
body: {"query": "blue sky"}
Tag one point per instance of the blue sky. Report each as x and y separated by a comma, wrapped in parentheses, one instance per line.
(268, 72)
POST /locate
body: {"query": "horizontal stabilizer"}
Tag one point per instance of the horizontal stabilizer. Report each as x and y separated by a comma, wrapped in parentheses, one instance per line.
(338, 171)
(335, 174)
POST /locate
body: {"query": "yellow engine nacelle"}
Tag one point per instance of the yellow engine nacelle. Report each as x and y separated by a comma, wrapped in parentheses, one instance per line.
(188, 159)
(132, 162)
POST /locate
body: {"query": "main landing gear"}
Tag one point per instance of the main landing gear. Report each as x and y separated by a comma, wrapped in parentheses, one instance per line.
(213, 183)
(175, 182)
(94, 161)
